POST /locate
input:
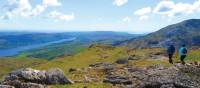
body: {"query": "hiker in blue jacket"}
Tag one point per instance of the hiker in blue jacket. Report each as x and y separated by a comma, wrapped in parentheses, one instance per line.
(170, 51)
(183, 53)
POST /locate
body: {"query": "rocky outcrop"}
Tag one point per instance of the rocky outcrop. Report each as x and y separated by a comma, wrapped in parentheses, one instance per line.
(169, 77)
(153, 77)
(192, 69)
(31, 78)
(120, 75)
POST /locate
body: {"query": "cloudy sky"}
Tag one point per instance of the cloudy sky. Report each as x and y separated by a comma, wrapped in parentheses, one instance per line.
(133, 16)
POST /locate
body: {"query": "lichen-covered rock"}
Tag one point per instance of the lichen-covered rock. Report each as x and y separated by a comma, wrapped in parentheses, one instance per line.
(121, 61)
(6, 86)
(106, 67)
(153, 77)
(56, 76)
(31, 78)
(192, 69)
(31, 85)
(117, 80)
(159, 77)
(53, 76)
(19, 84)
(27, 74)
(168, 86)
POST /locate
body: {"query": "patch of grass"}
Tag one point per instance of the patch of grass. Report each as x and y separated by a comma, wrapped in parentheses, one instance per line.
(193, 55)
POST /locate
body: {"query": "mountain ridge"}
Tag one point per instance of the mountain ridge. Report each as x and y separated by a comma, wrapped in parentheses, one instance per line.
(186, 32)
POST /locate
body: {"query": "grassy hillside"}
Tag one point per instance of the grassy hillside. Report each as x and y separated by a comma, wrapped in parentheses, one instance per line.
(194, 55)
(97, 54)
(92, 55)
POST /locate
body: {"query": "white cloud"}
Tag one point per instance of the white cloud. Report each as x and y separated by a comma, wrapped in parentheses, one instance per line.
(41, 8)
(7, 16)
(51, 3)
(169, 8)
(23, 8)
(144, 17)
(143, 13)
(120, 2)
(126, 19)
(60, 16)
(37, 10)
(164, 6)
(18, 8)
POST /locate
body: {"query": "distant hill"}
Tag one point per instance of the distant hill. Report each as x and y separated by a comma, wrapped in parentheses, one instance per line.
(186, 32)
(12, 40)
(16, 39)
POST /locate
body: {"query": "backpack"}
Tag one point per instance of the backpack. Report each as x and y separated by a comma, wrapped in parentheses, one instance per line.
(184, 51)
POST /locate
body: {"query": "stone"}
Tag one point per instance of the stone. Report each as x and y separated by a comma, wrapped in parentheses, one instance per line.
(117, 80)
(121, 61)
(155, 76)
(27, 74)
(102, 66)
(72, 70)
(56, 76)
(6, 86)
(133, 58)
(160, 77)
(19, 84)
(189, 69)
(31, 78)
(32, 85)
(168, 86)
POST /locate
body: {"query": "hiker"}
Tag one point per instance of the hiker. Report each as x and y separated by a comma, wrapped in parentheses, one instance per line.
(170, 51)
(183, 53)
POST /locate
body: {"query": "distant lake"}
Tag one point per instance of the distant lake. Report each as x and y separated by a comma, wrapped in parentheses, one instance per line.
(15, 51)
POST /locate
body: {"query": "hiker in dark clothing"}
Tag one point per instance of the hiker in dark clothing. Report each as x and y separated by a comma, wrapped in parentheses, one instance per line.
(183, 53)
(170, 51)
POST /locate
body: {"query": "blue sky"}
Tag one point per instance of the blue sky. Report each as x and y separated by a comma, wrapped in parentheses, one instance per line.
(133, 16)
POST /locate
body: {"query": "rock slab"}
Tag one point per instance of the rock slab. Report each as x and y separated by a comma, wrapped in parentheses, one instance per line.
(31, 78)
